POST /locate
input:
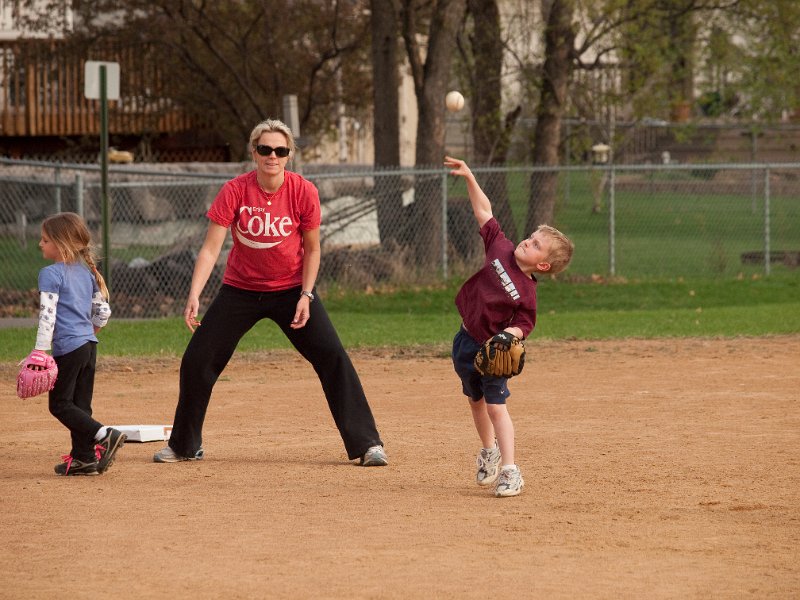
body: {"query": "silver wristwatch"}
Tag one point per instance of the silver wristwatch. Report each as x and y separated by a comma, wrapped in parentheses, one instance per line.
(309, 294)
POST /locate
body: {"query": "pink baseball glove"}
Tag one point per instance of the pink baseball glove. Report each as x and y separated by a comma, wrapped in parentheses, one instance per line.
(37, 375)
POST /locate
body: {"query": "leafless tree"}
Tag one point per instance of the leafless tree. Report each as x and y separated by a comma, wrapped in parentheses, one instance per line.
(437, 23)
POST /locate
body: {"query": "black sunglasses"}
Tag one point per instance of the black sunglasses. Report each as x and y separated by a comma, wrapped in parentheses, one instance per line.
(280, 151)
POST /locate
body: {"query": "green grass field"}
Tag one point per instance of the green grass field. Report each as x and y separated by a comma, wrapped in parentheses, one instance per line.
(727, 307)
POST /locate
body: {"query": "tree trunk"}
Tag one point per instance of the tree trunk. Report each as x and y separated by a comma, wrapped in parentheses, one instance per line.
(559, 48)
(386, 126)
(431, 78)
(491, 132)
(683, 33)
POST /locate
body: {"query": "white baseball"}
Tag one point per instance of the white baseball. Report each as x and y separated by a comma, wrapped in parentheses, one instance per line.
(454, 101)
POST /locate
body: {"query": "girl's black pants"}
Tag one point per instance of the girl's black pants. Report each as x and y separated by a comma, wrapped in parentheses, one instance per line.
(70, 400)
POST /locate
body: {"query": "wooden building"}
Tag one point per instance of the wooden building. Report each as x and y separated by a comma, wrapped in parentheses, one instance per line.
(44, 112)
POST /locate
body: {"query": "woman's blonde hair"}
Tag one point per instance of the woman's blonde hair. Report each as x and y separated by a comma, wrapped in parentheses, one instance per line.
(69, 234)
(269, 126)
(561, 248)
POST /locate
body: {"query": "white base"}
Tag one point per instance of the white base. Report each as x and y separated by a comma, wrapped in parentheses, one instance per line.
(145, 433)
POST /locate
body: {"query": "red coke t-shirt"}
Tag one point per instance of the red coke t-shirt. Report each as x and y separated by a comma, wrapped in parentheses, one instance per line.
(267, 253)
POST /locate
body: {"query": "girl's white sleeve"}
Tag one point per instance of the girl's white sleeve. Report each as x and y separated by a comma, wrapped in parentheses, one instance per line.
(101, 311)
(47, 320)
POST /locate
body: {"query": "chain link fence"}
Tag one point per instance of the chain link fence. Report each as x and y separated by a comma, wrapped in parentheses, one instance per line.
(409, 226)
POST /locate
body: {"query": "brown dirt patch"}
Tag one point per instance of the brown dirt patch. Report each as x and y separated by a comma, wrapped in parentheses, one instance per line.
(657, 469)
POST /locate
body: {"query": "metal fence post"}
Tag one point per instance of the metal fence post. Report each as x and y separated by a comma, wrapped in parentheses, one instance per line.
(567, 151)
(444, 225)
(767, 244)
(57, 181)
(105, 208)
(612, 225)
(22, 224)
(79, 194)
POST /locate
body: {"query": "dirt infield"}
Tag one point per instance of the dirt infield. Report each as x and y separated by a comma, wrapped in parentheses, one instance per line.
(653, 469)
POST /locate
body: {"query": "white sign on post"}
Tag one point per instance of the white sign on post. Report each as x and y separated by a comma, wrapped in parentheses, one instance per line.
(92, 76)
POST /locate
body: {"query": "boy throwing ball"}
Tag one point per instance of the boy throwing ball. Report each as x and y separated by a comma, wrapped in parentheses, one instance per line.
(498, 309)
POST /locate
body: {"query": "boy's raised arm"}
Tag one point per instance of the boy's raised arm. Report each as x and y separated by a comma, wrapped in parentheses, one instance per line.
(481, 206)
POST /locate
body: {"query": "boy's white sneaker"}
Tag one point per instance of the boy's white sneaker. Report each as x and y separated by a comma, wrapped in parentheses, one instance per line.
(509, 483)
(488, 465)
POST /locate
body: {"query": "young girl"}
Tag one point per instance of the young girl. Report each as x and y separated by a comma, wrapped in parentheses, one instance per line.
(73, 308)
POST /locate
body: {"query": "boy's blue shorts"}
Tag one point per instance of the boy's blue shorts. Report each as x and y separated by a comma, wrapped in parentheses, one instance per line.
(475, 385)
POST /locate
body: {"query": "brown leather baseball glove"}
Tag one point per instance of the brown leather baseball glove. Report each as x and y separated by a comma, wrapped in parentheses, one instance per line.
(501, 356)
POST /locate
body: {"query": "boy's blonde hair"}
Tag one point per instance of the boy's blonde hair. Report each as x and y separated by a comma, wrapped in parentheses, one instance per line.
(561, 248)
(69, 234)
(270, 126)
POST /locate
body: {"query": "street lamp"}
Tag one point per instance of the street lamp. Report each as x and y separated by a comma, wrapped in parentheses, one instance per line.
(601, 154)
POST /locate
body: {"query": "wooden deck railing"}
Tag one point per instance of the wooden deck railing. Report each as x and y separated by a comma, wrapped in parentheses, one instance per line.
(42, 93)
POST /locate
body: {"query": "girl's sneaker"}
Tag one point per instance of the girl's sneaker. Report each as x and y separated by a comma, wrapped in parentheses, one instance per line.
(488, 465)
(510, 482)
(71, 466)
(106, 449)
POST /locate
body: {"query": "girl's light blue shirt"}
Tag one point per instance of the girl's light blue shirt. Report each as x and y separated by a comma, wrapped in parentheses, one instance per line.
(75, 286)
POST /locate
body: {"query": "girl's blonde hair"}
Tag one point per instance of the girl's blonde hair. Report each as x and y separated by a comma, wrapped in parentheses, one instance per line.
(69, 234)
(561, 248)
(270, 126)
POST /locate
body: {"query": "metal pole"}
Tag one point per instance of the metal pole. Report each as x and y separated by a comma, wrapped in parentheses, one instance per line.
(79, 194)
(612, 225)
(57, 180)
(753, 178)
(104, 176)
(291, 117)
(22, 222)
(444, 225)
(767, 261)
(568, 174)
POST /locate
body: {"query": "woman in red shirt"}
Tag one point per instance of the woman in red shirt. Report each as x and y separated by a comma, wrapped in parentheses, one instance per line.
(274, 217)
